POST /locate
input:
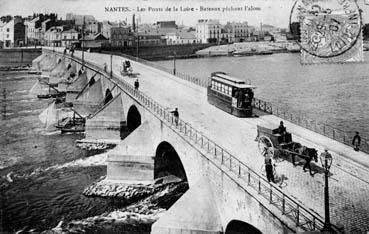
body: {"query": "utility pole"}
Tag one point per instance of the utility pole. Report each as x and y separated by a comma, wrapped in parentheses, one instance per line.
(83, 38)
(174, 63)
(138, 41)
(111, 65)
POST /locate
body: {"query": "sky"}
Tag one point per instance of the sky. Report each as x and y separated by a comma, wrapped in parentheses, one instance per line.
(274, 12)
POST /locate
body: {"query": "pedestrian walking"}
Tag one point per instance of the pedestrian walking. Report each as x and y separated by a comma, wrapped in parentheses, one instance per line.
(269, 167)
(105, 67)
(65, 51)
(137, 84)
(325, 154)
(72, 51)
(356, 141)
(176, 115)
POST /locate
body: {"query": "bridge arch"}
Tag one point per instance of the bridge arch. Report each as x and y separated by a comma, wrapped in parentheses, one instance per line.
(167, 162)
(240, 227)
(133, 118)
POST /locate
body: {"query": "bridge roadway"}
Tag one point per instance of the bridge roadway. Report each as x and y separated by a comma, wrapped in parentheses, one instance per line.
(349, 182)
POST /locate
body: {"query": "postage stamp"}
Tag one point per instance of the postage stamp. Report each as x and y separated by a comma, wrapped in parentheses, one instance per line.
(330, 31)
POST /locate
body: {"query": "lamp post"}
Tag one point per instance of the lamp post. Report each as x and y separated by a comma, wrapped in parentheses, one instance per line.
(174, 63)
(138, 41)
(326, 161)
(111, 64)
(83, 47)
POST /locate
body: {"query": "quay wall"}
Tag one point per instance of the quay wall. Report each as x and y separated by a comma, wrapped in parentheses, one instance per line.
(157, 52)
(18, 56)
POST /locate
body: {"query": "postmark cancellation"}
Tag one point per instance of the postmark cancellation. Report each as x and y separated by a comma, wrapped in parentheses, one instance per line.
(330, 31)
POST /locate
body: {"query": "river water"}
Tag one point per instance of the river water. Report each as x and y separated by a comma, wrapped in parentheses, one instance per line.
(336, 94)
(43, 173)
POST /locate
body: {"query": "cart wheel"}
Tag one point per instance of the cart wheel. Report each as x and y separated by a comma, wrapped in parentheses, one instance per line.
(265, 146)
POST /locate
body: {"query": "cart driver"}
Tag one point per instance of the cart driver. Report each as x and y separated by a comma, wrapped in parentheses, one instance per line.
(282, 130)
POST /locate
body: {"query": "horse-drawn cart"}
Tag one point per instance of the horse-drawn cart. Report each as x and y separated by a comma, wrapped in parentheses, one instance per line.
(127, 70)
(280, 146)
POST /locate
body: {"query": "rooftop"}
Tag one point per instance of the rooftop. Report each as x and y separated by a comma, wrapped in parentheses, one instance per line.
(70, 31)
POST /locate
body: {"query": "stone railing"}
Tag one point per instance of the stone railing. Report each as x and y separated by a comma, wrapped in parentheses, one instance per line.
(236, 170)
(336, 134)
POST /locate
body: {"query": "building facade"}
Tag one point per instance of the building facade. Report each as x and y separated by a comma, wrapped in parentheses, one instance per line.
(106, 28)
(208, 31)
(121, 36)
(32, 31)
(150, 39)
(94, 41)
(235, 32)
(53, 36)
(180, 38)
(69, 37)
(12, 33)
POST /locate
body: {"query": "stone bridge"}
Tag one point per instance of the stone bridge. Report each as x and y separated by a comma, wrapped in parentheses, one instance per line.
(215, 152)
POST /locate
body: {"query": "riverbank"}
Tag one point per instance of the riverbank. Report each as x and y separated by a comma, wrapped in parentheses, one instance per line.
(159, 52)
(12, 67)
(18, 57)
(249, 48)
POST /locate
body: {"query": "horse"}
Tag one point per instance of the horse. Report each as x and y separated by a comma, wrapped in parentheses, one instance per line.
(311, 154)
(306, 153)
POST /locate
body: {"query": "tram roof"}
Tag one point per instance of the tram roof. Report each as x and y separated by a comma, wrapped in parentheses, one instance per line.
(231, 80)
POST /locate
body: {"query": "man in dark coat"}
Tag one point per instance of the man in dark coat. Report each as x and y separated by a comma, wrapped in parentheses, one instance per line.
(356, 141)
(282, 130)
(137, 84)
(237, 95)
(241, 98)
(176, 115)
(269, 168)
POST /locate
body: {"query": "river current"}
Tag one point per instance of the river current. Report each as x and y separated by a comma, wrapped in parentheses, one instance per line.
(335, 94)
(43, 175)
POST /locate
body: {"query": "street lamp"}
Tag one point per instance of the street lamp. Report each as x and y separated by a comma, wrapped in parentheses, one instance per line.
(174, 62)
(326, 161)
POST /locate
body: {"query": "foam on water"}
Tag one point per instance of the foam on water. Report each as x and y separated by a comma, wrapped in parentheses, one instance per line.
(31, 111)
(96, 160)
(144, 211)
(19, 91)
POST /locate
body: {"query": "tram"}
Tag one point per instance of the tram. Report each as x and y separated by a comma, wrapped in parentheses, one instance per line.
(231, 94)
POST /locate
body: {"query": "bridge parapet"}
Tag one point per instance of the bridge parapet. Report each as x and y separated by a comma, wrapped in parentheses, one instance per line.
(267, 194)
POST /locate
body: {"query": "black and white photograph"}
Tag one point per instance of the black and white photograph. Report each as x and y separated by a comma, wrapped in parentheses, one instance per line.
(184, 116)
